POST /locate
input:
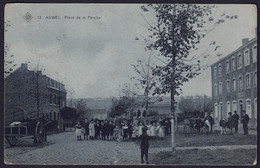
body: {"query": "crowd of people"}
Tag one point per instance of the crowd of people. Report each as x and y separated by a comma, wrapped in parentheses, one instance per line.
(120, 129)
(232, 122)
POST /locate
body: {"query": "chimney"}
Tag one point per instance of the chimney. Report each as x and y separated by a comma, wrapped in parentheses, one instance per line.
(244, 40)
(24, 66)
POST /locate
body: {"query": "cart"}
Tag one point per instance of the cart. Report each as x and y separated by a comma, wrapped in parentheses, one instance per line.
(30, 126)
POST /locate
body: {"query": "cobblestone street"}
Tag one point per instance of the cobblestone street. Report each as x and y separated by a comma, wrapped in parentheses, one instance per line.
(64, 149)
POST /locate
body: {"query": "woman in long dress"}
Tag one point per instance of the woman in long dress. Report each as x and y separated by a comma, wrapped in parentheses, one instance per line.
(91, 130)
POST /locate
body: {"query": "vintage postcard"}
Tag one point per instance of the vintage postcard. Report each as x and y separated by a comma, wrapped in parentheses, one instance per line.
(130, 84)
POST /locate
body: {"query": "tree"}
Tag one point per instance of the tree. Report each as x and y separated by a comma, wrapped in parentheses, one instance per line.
(193, 106)
(9, 64)
(178, 30)
(146, 80)
(82, 109)
(69, 115)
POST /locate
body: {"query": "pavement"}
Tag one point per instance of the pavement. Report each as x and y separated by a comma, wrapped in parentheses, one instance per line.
(64, 149)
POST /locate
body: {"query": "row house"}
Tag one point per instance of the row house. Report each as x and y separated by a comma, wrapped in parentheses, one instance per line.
(234, 82)
(24, 88)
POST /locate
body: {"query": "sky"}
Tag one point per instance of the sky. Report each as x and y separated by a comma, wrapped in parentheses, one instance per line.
(93, 56)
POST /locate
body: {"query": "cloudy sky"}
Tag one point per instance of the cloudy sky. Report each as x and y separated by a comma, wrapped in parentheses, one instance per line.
(93, 56)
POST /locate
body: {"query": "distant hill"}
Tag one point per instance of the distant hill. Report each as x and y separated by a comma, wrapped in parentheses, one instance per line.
(106, 103)
(93, 103)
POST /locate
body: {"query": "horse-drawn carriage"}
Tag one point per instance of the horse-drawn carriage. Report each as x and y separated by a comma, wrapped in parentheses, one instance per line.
(32, 126)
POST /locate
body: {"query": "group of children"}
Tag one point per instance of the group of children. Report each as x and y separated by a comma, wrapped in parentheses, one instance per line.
(154, 131)
(125, 131)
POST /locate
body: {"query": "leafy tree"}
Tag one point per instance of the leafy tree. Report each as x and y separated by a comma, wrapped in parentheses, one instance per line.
(82, 109)
(177, 31)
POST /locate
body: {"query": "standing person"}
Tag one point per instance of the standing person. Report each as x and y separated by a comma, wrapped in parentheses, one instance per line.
(153, 131)
(144, 138)
(244, 121)
(116, 133)
(106, 130)
(125, 130)
(140, 127)
(211, 121)
(102, 130)
(230, 124)
(111, 128)
(86, 135)
(78, 131)
(160, 131)
(98, 130)
(236, 118)
(91, 130)
(130, 131)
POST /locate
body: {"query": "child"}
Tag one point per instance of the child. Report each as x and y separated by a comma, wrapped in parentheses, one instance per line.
(116, 132)
(223, 124)
(160, 132)
(78, 131)
(144, 145)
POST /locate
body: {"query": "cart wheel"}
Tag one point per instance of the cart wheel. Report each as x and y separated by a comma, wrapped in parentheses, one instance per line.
(39, 133)
(12, 140)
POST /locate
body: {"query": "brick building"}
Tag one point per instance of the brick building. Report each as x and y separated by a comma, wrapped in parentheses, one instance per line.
(28, 92)
(234, 82)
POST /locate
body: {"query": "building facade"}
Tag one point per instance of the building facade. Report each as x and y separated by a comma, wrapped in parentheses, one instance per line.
(28, 92)
(234, 83)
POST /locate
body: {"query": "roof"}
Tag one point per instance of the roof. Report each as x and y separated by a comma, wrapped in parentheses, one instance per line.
(237, 50)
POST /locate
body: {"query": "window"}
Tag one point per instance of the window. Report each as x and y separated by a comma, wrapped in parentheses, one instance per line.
(50, 98)
(216, 89)
(228, 107)
(220, 88)
(215, 71)
(220, 109)
(247, 80)
(248, 108)
(233, 63)
(234, 106)
(54, 115)
(246, 57)
(234, 84)
(216, 110)
(255, 78)
(240, 80)
(227, 66)
(50, 115)
(228, 86)
(240, 63)
(219, 70)
(54, 98)
(254, 53)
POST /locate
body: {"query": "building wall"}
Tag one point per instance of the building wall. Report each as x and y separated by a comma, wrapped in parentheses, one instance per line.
(21, 95)
(242, 96)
